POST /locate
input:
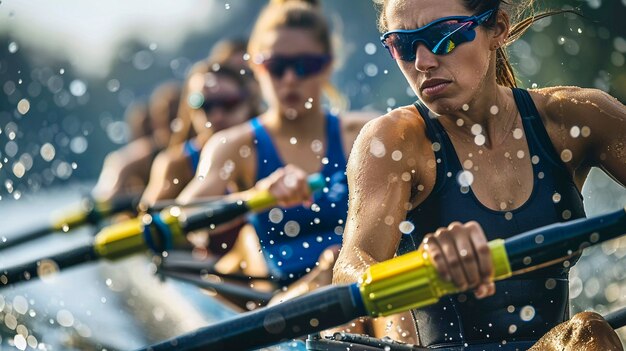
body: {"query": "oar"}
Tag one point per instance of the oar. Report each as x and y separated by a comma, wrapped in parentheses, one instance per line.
(88, 211)
(617, 319)
(159, 232)
(400, 284)
(223, 288)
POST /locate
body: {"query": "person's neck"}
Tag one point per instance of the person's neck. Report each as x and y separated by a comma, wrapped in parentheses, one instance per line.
(308, 123)
(494, 109)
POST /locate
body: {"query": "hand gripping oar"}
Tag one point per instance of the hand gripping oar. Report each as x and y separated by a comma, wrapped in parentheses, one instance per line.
(400, 284)
(89, 210)
(159, 232)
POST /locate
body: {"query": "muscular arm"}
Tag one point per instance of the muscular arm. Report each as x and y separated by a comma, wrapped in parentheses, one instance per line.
(380, 178)
(591, 124)
(221, 165)
(169, 173)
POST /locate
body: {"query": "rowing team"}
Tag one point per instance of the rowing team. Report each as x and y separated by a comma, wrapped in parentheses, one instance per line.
(474, 159)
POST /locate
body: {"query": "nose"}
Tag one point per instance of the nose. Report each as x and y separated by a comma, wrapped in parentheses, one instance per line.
(425, 60)
(290, 75)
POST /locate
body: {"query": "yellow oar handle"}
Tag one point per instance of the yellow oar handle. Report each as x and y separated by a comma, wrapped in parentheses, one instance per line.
(411, 281)
(127, 237)
(79, 214)
(263, 199)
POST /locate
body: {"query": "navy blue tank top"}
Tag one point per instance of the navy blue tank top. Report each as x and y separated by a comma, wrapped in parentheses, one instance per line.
(292, 239)
(524, 307)
(192, 152)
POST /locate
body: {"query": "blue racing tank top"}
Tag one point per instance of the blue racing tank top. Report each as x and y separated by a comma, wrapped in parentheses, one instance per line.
(524, 307)
(192, 152)
(292, 239)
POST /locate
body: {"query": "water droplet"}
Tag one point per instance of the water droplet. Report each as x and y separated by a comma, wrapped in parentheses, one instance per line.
(406, 227)
(20, 342)
(539, 239)
(436, 146)
(465, 107)
(518, 133)
(20, 304)
(566, 155)
(520, 154)
(512, 328)
(460, 122)
(293, 141)
(574, 132)
(13, 47)
(479, 140)
(550, 284)
(494, 110)
(317, 146)
(465, 178)
(527, 313)
(78, 88)
(377, 148)
(227, 6)
(556, 198)
(370, 48)
(396, 155)
(23, 106)
(508, 216)
(477, 129)
(585, 131)
(292, 228)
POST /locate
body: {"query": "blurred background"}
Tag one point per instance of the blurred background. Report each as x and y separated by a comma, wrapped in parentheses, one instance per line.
(69, 69)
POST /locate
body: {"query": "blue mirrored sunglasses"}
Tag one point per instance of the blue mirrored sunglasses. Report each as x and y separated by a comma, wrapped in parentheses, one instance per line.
(440, 36)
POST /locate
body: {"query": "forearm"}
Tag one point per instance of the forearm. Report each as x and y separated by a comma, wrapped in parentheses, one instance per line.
(350, 267)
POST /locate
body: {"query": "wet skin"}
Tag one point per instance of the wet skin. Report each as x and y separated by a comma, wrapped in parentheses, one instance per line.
(499, 160)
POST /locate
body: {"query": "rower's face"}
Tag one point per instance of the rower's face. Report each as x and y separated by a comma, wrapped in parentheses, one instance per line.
(461, 72)
(289, 92)
(224, 103)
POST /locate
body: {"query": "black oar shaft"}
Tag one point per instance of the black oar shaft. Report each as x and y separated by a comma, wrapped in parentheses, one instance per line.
(226, 289)
(617, 319)
(214, 215)
(319, 310)
(34, 233)
(558, 241)
(33, 269)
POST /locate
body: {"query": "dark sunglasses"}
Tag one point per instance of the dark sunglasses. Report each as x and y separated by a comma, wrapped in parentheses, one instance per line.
(226, 102)
(303, 65)
(440, 36)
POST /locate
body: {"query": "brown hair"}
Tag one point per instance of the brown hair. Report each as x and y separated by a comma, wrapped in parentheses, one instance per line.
(522, 16)
(298, 14)
(184, 130)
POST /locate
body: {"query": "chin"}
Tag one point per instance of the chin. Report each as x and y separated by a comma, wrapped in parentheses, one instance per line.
(441, 105)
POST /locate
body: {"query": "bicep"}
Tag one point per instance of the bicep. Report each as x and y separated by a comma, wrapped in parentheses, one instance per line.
(607, 128)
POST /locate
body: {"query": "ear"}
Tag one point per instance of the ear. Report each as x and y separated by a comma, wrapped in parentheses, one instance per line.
(500, 32)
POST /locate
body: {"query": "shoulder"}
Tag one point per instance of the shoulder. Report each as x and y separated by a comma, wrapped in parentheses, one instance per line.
(400, 124)
(399, 130)
(171, 158)
(231, 139)
(573, 104)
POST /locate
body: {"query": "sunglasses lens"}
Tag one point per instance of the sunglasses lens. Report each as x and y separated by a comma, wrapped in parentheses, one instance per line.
(303, 66)
(440, 39)
(400, 46)
(228, 103)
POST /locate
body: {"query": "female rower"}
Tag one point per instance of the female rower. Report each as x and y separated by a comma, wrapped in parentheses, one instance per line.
(291, 57)
(477, 159)
(126, 170)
